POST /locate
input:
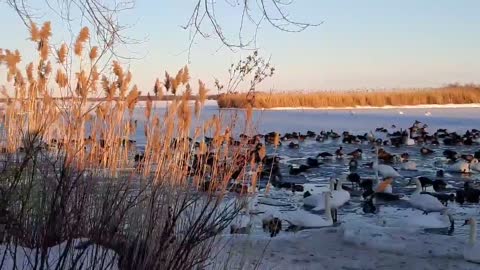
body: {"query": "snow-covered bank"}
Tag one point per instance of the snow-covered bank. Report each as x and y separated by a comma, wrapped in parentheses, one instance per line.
(213, 103)
(328, 249)
(93, 257)
(423, 106)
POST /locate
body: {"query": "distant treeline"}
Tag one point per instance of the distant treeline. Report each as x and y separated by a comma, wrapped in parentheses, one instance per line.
(452, 94)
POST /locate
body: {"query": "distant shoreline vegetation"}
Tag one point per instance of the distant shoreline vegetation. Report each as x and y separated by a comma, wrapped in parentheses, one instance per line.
(451, 94)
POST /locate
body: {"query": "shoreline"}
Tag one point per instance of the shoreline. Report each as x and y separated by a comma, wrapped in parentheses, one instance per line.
(389, 107)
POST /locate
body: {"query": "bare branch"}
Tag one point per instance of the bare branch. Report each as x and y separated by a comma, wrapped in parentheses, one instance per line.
(258, 11)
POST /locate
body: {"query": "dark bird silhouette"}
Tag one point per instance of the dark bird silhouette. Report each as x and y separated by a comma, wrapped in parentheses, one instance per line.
(325, 155)
(443, 198)
(297, 170)
(354, 178)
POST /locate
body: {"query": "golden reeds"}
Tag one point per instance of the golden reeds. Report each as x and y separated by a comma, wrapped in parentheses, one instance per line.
(157, 89)
(46, 31)
(117, 69)
(30, 72)
(185, 75)
(94, 136)
(148, 107)
(82, 37)
(202, 92)
(62, 53)
(94, 77)
(132, 98)
(197, 108)
(93, 53)
(42, 36)
(167, 82)
(11, 59)
(34, 32)
(444, 95)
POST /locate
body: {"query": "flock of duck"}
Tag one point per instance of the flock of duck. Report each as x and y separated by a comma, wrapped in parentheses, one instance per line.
(383, 195)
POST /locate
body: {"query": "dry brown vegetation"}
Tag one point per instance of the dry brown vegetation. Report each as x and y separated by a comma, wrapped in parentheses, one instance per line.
(68, 175)
(454, 94)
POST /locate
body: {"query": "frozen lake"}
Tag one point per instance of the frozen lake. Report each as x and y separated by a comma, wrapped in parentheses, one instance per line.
(353, 120)
(349, 244)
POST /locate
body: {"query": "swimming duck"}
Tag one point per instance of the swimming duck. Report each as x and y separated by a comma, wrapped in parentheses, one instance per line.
(293, 145)
(353, 165)
(426, 151)
(471, 195)
(424, 181)
(356, 153)
(443, 198)
(354, 178)
(297, 169)
(325, 155)
(450, 154)
(404, 157)
(313, 162)
(339, 152)
(311, 134)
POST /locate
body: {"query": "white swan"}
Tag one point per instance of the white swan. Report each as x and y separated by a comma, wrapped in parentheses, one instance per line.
(370, 137)
(304, 219)
(316, 200)
(385, 170)
(471, 251)
(459, 167)
(338, 198)
(425, 202)
(409, 166)
(405, 240)
(411, 218)
(408, 140)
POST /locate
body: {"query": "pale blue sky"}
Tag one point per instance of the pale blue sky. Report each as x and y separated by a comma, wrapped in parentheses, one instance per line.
(362, 44)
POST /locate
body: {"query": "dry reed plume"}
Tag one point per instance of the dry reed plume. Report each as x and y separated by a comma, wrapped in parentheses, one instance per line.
(68, 169)
(446, 95)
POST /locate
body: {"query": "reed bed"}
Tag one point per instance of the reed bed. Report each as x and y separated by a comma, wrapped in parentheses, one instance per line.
(68, 176)
(456, 94)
